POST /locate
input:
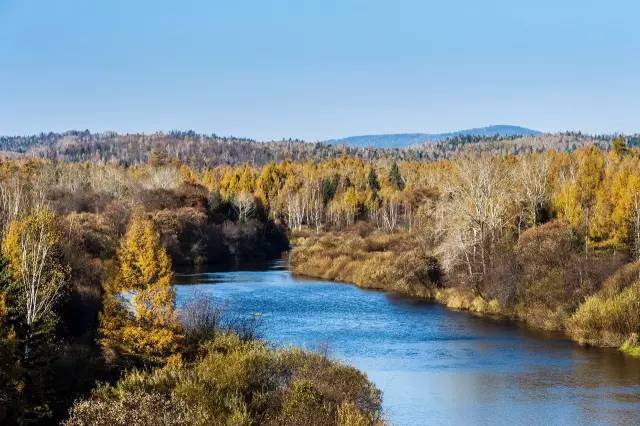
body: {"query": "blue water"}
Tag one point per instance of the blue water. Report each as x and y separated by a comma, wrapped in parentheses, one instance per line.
(434, 366)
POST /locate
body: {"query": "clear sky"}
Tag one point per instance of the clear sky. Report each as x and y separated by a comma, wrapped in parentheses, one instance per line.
(318, 69)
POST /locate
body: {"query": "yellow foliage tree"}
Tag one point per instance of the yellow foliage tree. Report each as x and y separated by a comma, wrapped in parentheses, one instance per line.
(31, 247)
(188, 175)
(138, 317)
(626, 214)
(575, 199)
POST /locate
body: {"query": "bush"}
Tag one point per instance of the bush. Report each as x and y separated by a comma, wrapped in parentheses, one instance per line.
(130, 409)
(554, 274)
(238, 382)
(184, 234)
(608, 319)
(200, 318)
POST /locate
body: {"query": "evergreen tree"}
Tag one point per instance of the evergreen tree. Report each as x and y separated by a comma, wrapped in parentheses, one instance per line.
(10, 372)
(330, 187)
(372, 179)
(138, 319)
(395, 178)
(619, 145)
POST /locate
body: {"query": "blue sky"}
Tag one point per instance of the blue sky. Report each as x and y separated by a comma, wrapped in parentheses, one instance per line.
(318, 69)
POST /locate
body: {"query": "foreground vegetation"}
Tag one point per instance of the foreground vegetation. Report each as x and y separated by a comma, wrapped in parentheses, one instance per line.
(88, 252)
(236, 382)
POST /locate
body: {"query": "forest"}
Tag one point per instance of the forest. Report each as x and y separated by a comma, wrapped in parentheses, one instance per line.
(90, 246)
(200, 150)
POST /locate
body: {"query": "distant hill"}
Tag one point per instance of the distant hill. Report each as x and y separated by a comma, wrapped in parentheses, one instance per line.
(401, 140)
(201, 150)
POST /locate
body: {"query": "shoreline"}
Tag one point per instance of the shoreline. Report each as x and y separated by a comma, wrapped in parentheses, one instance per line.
(464, 300)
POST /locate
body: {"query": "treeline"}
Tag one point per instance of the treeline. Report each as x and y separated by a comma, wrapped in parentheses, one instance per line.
(187, 147)
(199, 150)
(515, 145)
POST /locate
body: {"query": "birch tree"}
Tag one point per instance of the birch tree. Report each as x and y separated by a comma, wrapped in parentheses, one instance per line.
(31, 246)
(474, 213)
(533, 175)
(245, 204)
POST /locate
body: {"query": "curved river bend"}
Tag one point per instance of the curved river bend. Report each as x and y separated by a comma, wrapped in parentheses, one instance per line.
(434, 366)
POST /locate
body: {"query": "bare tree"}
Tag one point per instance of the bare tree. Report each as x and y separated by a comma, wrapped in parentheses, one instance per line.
(314, 210)
(245, 203)
(18, 198)
(389, 211)
(475, 211)
(165, 177)
(12, 201)
(295, 210)
(533, 177)
(634, 219)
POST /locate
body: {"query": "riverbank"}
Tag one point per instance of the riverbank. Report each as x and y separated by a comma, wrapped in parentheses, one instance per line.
(388, 262)
(599, 313)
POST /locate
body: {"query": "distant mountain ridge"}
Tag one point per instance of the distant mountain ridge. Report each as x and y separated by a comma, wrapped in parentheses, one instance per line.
(402, 140)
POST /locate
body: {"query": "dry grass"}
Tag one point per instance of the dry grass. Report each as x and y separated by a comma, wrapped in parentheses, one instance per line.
(379, 261)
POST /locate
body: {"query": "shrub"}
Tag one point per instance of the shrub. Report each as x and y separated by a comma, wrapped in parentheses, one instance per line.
(200, 318)
(184, 234)
(554, 274)
(238, 382)
(608, 319)
(130, 409)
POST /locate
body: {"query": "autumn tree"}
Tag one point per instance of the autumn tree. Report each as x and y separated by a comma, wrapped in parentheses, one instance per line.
(271, 180)
(619, 145)
(534, 189)
(138, 319)
(475, 216)
(577, 193)
(31, 247)
(158, 157)
(618, 210)
(36, 280)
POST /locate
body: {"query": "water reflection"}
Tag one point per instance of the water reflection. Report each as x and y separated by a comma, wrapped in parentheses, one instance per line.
(435, 366)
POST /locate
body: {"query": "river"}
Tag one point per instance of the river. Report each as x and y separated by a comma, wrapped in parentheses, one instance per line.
(435, 366)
